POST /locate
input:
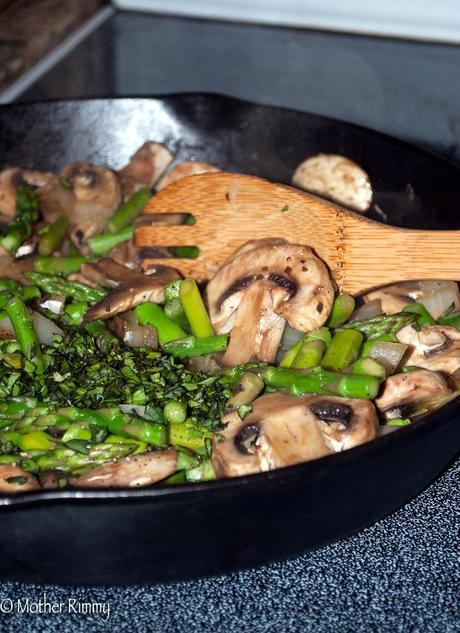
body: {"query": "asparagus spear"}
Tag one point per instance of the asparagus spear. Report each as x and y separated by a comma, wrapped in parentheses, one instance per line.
(60, 265)
(62, 287)
(152, 314)
(189, 434)
(173, 307)
(101, 244)
(380, 325)
(129, 210)
(195, 309)
(247, 390)
(342, 309)
(193, 346)
(322, 334)
(321, 381)
(25, 333)
(52, 236)
(70, 460)
(424, 317)
(343, 350)
(309, 355)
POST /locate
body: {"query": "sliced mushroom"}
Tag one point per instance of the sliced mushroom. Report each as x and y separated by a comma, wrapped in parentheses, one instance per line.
(146, 165)
(131, 472)
(395, 296)
(10, 179)
(337, 178)
(284, 430)
(97, 194)
(296, 281)
(37, 178)
(435, 347)
(55, 200)
(130, 288)
(404, 395)
(181, 170)
(14, 479)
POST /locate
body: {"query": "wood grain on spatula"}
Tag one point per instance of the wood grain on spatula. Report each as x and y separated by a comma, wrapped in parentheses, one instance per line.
(233, 208)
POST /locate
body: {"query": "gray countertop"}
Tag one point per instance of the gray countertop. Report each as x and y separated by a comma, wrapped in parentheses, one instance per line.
(403, 573)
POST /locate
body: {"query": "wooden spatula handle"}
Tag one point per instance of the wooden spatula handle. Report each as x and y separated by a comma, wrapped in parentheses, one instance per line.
(374, 254)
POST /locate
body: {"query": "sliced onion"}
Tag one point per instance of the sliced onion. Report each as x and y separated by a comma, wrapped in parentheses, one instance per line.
(207, 363)
(6, 329)
(368, 310)
(45, 328)
(132, 334)
(387, 354)
(54, 304)
(439, 296)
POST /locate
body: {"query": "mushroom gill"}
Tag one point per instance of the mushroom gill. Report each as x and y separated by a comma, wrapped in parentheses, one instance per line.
(435, 347)
(283, 430)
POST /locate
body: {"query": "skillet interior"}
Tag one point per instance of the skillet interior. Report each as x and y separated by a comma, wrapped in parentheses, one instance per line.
(217, 527)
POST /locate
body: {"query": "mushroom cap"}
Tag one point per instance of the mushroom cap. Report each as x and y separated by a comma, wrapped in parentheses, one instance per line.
(413, 387)
(435, 347)
(97, 194)
(301, 289)
(337, 178)
(130, 472)
(181, 170)
(283, 430)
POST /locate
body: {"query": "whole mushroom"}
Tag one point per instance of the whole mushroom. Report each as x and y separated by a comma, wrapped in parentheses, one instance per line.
(435, 347)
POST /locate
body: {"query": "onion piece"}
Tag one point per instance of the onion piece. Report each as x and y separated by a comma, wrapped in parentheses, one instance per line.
(439, 296)
(290, 338)
(387, 354)
(132, 334)
(45, 328)
(6, 329)
(207, 363)
(53, 304)
(368, 310)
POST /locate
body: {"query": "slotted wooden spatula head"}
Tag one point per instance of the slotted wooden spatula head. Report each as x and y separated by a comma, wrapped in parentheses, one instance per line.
(231, 209)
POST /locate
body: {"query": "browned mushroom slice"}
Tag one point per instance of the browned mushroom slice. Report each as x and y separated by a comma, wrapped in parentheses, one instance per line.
(97, 195)
(146, 165)
(181, 170)
(284, 430)
(405, 395)
(336, 178)
(14, 479)
(37, 178)
(130, 288)
(435, 347)
(10, 179)
(395, 296)
(302, 291)
(55, 200)
(131, 472)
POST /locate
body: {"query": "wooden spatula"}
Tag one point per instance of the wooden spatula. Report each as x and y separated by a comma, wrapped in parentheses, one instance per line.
(233, 208)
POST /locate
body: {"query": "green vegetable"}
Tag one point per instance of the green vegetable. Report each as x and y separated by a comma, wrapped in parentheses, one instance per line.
(16, 231)
(101, 244)
(383, 324)
(247, 390)
(25, 333)
(343, 350)
(320, 381)
(368, 367)
(60, 265)
(424, 317)
(70, 460)
(152, 314)
(36, 440)
(452, 319)
(189, 434)
(185, 252)
(52, 237)
(342, 309)
(76, 312)
(57, 286)
(195, 309)
(203, 472)
(322, 334)
(191, 346)
(309, 354)
(398, 422)
(172, 306)
(129, 210)
(175, 411)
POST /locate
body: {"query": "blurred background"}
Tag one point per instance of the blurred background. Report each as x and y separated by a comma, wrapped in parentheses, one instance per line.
(393, 66)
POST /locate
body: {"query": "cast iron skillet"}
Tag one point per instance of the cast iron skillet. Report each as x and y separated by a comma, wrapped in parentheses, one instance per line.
(171, 533)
